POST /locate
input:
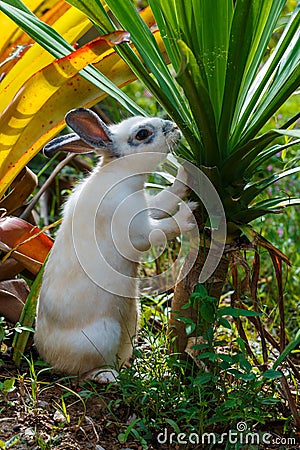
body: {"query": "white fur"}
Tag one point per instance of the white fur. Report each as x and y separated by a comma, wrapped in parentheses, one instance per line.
(88, 306)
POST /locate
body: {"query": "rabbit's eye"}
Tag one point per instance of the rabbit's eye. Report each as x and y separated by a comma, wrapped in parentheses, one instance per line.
(142, 134)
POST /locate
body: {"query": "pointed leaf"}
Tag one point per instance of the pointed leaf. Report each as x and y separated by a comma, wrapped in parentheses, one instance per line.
(240, 159)
(189, 77)
(27, 317)
(284, 64)
(236, 312)
(293, 344)
(253, 190)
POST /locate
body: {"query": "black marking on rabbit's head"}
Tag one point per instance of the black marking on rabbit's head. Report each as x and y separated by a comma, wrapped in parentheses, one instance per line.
(144, 134)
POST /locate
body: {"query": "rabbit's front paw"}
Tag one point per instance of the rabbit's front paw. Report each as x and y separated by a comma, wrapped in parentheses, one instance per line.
(184, 217)
(180, 187)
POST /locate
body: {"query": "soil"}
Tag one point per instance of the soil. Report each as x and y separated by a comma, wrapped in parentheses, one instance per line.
(34, 414)
(58, 413)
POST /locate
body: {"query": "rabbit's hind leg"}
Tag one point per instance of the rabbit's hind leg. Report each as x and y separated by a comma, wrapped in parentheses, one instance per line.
(102, 376)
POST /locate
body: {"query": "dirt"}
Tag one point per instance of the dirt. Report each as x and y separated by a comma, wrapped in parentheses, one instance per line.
(61, 413)
(45, 411)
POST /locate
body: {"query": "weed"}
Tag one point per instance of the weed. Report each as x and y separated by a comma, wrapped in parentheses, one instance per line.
(7, 386)
(220, 384)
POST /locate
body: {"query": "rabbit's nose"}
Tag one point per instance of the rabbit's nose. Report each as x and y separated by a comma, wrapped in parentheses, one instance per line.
(169, 126)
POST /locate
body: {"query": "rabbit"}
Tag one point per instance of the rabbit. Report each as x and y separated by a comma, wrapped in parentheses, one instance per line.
(88, 310)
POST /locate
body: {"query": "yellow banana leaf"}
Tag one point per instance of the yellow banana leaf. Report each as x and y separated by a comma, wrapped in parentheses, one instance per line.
(44, 122)
(35, 93)
(10, 31)
(71, 25)
(22, 40)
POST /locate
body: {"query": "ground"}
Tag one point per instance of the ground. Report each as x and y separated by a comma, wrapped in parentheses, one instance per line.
(62, 414)
(43, 410)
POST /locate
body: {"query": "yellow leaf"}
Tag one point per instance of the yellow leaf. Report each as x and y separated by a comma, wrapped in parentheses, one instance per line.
(71, 25)
(10, 31)
(22, 122)
(20, 42)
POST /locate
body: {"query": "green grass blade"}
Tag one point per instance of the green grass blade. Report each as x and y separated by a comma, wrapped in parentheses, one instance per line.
(27, 317)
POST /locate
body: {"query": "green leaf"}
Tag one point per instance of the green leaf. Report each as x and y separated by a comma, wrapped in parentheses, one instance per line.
(254, 189)
(268, 13)
(224, 323)
(247, 376)
(207, 311)
(166, 91)
(190, 328)
(237, 164)
(124, 436)
(265, 155)
(239, 47)
(294, 343)
(189, 77)
(272, 374)
(278, 78)
(8, 385)
(173, 424)
(169, 26)
(27, 317)
(96, 12)
(201, 290)
(236, 312)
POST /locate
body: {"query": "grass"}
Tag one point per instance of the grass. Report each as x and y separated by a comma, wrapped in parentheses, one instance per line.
(215, 390)
(156, 396)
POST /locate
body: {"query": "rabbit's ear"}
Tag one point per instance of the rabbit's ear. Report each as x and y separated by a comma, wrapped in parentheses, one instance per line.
(68, 143)
(90, 128)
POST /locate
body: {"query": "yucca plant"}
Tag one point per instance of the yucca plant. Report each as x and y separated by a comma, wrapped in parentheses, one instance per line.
(211, 69)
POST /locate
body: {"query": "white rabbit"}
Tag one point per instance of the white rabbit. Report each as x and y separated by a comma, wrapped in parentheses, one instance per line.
(88, 305)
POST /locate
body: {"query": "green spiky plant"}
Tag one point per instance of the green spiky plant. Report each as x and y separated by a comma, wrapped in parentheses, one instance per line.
(221, 83)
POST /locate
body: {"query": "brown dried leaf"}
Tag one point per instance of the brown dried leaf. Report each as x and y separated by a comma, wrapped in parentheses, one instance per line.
(13, 294)
(25, 238)
(22, 187)
(10, 268)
